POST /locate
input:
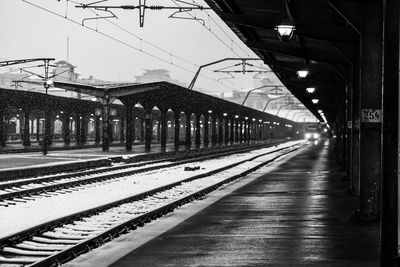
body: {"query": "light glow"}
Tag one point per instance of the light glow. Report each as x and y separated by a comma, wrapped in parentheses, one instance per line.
(285, 31)
(310, 90)
(302, 73)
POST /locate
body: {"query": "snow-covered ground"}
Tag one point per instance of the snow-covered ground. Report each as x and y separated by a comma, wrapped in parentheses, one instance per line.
(22, 216)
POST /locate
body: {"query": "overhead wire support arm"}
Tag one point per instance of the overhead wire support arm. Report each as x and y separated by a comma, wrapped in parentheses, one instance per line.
(141, 7)
(191, 85)
(251, 90)
(21, 61)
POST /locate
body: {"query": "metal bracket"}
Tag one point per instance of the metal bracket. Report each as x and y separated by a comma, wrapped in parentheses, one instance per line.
(191, 85)
(105, 9)
(142, 8)
(186, 10)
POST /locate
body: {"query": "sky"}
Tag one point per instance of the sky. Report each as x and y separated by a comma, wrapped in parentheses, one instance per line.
(118, 49)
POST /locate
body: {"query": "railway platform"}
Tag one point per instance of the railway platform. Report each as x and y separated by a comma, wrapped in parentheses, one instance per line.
(294, 212)
(19, 162)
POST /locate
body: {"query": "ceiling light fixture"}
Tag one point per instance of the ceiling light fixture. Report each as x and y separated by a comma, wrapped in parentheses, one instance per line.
(310, 90)
(285, 31)
(302, 74)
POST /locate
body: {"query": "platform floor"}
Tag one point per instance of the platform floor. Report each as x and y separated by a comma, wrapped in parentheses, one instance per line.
(294, 214)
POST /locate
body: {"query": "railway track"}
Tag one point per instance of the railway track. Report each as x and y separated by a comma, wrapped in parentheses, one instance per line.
(60, 240)
(22, 190)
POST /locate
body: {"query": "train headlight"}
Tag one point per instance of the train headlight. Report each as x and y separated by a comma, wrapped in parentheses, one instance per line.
(315, 136)
(308, 135)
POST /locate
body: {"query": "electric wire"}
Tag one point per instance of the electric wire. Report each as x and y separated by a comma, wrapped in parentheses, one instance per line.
(161, 49)
(119, 41)
(140, 38)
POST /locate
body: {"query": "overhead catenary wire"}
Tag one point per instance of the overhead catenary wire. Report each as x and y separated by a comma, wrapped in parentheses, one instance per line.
(165, 51)
(120, 41)
(215, 35)
(141, 39)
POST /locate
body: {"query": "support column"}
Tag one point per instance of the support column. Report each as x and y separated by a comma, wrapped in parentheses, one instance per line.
(122, 130)
(349, 124)
(66, 130)
(2, 139)
(106, 127)
(78, 129)
(213, 131)
(355, 138)
(129, 128)
(37, 128)
(177, 128)
(232, 134)
(148, 135)
(390, 135)
(206, 139)
(197, 135)
(226, 134)
(27, 134)
(163, 124)
(241, 132)
(236, 131)
(47, 127)
(142, 129)
(84, 129)
(97, 129)
(371, 97)
(188, 141)
(220, 132)
(247, 129)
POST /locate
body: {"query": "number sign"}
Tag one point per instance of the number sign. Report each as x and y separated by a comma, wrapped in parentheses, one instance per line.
(371, 115)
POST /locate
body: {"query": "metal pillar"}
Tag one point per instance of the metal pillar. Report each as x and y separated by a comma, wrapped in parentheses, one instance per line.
(163, 124)
(188, 141)
(226, 134)
(78, 129)
(206, 139)
(232, 134)
(27, 133)
(97, 129)
(249, 125)
(46, 137)
(241, 132)
(129, 128)
(66, 129)
(142, 129)
(236, 131)
(197, 136)
(2, 139)
(213, 131)
(220, 132)
(148, 135)
(158, 136)
(177, 128)
(371, 95)
(390, 135)
(122, 130)
(106, 127)
(84, 129)
(355, 138)
(349, 124)
(37, 128)
(245, 126)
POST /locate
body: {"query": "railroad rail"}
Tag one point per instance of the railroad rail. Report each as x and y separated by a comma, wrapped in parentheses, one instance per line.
(22, 190)
(58, 241)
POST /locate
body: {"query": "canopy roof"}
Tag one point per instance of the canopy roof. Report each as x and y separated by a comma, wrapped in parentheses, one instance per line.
(323, 43)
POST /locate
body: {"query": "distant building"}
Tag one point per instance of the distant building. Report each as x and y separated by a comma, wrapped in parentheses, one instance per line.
(264, 98)
(157, 75)
(63, 72)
